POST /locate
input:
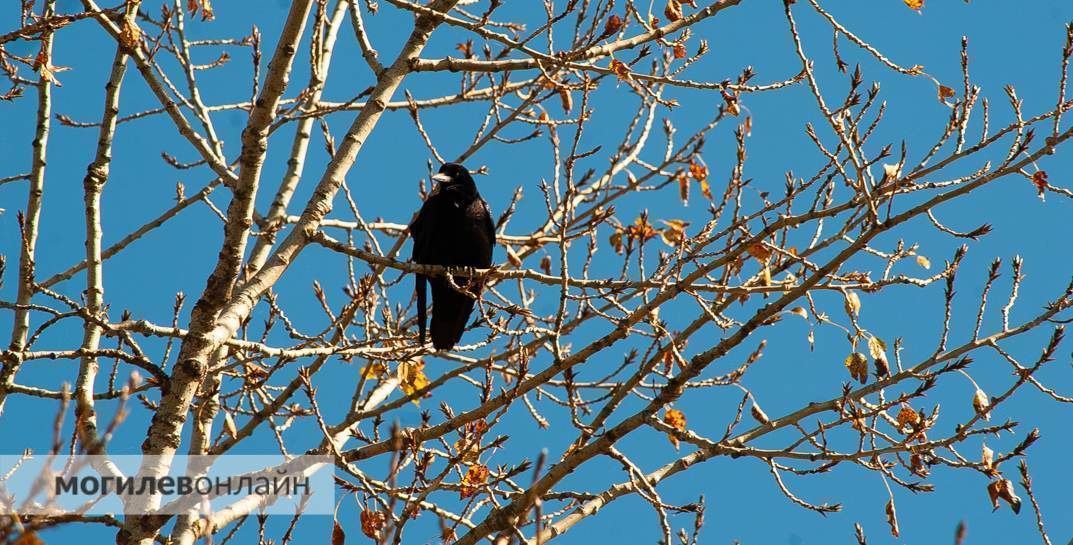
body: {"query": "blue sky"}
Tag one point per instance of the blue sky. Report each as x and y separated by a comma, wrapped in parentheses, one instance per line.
(1015, 43)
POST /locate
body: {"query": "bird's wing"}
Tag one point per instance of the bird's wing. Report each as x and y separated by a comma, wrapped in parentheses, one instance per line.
(419, 231)
(489, 227)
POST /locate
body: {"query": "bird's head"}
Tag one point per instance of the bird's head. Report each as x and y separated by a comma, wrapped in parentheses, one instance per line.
(454, 176)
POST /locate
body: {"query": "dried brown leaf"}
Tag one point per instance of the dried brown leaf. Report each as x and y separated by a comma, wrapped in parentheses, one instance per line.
(892, 518)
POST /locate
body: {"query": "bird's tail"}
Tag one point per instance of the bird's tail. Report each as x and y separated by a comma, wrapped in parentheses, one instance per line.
(450, 314)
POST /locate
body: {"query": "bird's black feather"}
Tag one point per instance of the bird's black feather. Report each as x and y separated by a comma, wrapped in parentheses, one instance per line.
(453, 228)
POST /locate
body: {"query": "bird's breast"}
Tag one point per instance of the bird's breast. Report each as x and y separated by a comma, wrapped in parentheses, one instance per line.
(455, 235)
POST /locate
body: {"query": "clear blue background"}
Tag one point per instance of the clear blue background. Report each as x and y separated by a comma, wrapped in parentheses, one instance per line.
(1014, 43)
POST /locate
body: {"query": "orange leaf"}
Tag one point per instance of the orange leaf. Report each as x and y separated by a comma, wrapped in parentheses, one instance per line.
(372, 522)
(48, 71)
(946, 92)
(675, 419)
(697, 171)
(545, 264)
(641, 230)
(892, 518)
(29, 538)
(731, 102)
(760, 252)
(566, 99)
(466, 48)
(673, 11)
(1040, 180)
(338, 535)
(1002, 489)
(907, 417)
(613, 25)
(475, 477)
(615, 240)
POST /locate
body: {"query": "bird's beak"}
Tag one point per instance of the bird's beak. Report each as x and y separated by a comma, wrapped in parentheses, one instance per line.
(441, 177)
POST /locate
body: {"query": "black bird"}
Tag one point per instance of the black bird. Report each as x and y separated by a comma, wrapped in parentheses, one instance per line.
(453, 228)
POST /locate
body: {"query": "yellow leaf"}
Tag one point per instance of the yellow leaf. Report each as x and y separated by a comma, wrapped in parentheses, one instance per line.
(675, 233)
(130, 35)
(204, 5)
(852, 303)
(706, 189)
(468, 444)
(469, 453)
(374, 370)
(876, 347)
(987, 459)
(412, 377)
(923, 262)
(857, 365)
(914, 4)
(981, 404)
